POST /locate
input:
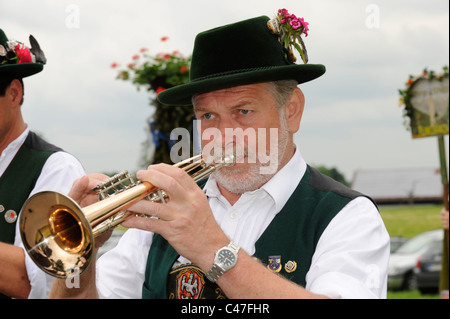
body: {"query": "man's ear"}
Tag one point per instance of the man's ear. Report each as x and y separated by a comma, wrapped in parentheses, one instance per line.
(294, 110)
(14, 93)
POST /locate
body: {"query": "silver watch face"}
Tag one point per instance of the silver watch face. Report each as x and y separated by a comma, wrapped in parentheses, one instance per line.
(227, 258)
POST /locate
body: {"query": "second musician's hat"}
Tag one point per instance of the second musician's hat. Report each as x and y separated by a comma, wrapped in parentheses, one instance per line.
(17, 60)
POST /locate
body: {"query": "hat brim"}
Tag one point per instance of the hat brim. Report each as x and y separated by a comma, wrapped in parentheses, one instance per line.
(21, 70)
(182, 95)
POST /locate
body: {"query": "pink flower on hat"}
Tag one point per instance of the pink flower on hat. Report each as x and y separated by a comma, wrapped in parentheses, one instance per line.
(300, 23)
(284, 13)
(295, 24)
(289, 28)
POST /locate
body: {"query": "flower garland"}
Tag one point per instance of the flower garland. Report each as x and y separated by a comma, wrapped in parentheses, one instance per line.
(289, 28)
(158, 73)
(405, 95)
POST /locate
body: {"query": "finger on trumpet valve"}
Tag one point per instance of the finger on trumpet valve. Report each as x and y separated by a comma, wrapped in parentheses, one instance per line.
(161, 196)
(158, 196)
(116, 184)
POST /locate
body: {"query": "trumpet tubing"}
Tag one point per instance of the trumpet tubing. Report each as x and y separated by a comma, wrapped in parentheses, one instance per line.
(59, 235)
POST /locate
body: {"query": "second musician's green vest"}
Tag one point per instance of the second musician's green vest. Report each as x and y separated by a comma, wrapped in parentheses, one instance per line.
(18, 181)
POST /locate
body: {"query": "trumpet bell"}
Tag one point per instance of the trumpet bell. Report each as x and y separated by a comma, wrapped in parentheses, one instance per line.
(56, 234)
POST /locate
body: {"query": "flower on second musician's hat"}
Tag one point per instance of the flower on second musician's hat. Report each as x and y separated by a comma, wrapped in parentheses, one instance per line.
(2, 50)
(23, 53)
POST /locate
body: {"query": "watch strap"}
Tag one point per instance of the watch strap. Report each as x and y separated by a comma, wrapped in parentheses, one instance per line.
(216, 271)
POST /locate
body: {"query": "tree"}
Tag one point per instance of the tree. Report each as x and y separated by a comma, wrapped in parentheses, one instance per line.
(334, 174)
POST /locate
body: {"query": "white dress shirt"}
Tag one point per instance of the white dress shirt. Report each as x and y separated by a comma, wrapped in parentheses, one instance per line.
(58, 174)
(350, 260)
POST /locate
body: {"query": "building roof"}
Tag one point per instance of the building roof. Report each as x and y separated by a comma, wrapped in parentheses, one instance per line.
(397, 185)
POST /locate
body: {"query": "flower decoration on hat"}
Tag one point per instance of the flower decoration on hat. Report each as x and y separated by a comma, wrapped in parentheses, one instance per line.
(15, 52)
(289, 29)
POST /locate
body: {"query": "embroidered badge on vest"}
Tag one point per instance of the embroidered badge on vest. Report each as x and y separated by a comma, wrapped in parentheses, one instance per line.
(189, 282)
(274, 263)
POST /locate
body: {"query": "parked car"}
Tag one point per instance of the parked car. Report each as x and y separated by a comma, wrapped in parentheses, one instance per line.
(404, 259)
(396, 242)
(428, 269)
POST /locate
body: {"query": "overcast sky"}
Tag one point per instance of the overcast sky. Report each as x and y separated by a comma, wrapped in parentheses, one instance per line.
(352, 120)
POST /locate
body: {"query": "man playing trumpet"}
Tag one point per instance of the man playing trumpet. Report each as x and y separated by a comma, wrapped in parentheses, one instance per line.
(245, 232)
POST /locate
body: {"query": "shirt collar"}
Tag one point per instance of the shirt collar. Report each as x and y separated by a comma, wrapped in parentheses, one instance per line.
(11, 150)
(280, 187)
(14, 146)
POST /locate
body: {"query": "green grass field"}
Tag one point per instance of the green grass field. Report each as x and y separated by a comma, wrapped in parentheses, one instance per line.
(409, 221)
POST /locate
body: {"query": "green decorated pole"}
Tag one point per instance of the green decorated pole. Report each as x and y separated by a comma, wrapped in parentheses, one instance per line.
(444, 280)
(443, 161)
(426, 101)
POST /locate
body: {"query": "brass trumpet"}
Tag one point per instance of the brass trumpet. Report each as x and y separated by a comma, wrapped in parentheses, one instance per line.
(59, 235)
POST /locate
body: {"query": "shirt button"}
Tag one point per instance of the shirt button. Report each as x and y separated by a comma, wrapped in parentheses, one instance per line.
(233, 214)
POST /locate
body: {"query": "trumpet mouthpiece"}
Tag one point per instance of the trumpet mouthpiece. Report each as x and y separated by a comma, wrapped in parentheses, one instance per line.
(229, 160)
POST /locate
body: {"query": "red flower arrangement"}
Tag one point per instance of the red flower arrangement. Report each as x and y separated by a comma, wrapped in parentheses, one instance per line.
(158, 73)
(14, 52)
(23, 53)
(162, 71)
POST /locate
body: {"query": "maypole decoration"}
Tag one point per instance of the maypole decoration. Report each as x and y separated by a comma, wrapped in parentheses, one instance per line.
(426, 101)
(158, 73)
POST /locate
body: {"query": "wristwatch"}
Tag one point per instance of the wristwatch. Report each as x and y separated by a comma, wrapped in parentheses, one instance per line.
(225, 259)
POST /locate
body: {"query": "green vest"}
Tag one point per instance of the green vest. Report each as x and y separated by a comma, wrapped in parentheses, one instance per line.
(291, 237)
(19, 179)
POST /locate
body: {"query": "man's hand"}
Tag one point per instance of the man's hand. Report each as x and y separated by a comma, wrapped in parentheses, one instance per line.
(444, 218)
(83, 194)
(185, 221)
(82, 189)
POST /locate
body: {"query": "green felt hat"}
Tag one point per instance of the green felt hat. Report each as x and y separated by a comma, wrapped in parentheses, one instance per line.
(16, 60)
(242, 53)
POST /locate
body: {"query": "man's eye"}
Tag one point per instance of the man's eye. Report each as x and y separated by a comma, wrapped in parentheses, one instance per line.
(245, 112)
(207, 116)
